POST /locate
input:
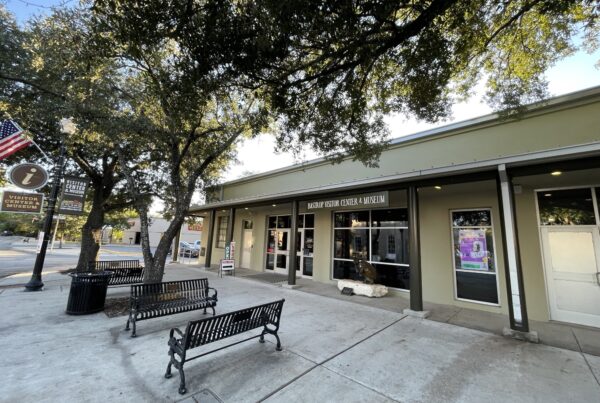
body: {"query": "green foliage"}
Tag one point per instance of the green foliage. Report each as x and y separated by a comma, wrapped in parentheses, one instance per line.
(331, 71)
(20, 224)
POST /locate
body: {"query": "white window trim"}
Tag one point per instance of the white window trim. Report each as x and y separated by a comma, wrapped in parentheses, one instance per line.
(454, 269)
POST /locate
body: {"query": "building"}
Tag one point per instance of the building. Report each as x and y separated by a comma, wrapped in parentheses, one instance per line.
(158, 225)
(498, 215)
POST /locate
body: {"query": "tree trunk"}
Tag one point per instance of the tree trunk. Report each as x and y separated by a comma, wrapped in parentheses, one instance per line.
(94, 222)
(155, 265)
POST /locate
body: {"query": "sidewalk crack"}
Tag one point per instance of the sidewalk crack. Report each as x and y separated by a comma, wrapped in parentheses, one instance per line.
(285, 385)
(585, 358)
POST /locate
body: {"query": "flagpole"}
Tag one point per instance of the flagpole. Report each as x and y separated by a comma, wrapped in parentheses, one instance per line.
(40, 150)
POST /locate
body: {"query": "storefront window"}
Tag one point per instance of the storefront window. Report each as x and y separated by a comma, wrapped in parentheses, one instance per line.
(566, 207)
(381, 237)
(474, 256)
(222, 231)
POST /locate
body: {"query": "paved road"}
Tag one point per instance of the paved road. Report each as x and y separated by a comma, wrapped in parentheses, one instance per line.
(19, 257)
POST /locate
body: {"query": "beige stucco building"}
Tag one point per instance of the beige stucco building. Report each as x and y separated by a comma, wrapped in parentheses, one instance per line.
(490, 214)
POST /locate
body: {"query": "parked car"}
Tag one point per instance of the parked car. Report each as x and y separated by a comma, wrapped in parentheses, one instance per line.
(10, 233)
(188, 250)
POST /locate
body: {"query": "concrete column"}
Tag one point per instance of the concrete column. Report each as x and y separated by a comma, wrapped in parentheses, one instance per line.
(211, 233)
(293, 237)
(519, 323)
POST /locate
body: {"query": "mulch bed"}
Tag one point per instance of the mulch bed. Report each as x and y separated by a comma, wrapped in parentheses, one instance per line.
(114, 307)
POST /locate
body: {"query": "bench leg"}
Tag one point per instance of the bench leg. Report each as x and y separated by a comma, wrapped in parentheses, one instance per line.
(205, 311)
(168, 373)
(182, 389)
(128, 320)
(278, 348)
(133, 323)
(262, 338)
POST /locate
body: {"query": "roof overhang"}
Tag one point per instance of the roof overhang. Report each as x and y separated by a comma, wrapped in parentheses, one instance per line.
(573, 157)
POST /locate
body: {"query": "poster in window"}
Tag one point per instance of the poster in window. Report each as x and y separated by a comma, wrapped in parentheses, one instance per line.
(473, 249)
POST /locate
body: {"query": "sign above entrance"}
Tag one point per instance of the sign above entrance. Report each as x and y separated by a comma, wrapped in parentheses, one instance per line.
(28, 176)
(365, 200)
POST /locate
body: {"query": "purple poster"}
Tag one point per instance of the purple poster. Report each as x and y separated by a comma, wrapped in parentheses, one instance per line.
(473, 249)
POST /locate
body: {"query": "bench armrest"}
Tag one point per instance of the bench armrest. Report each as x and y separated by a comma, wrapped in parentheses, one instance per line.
(214, 296)
(175, 330)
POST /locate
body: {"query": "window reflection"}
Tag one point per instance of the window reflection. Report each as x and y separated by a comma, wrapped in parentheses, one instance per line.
(566, 207)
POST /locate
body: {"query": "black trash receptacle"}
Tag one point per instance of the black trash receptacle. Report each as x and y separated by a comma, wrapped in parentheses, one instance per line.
(88, 292)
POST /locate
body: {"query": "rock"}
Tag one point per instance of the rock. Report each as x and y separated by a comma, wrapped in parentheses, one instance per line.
(360, 288)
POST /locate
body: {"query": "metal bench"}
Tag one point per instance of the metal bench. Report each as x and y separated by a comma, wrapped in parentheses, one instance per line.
(124, 272)
(148, 301)
(205, 331)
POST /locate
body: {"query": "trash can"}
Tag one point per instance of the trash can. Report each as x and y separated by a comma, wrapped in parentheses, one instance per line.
(88, 292)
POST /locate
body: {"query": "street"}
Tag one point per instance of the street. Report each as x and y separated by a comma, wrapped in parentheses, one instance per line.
(19, 257)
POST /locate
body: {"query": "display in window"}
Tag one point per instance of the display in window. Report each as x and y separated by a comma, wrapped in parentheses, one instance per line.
(473, 251)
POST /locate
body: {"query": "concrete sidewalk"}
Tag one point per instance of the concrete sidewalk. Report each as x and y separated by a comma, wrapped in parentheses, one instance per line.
(332, 351)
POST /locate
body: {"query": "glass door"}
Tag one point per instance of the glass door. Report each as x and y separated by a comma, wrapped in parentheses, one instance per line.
(282, 250)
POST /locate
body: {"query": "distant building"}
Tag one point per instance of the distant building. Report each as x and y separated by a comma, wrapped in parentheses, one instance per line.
(158, 226)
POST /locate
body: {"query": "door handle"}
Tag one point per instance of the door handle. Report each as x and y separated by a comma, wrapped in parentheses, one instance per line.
(598, 278)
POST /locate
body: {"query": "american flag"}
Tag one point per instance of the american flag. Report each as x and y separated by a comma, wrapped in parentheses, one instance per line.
(12, 138)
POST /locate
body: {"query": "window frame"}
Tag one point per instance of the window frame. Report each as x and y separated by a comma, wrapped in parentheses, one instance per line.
(452, 251)
(218, 237)
(369, 229)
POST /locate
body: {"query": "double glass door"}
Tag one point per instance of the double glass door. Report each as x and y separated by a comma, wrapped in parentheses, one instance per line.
(278, 245)
(278, 250)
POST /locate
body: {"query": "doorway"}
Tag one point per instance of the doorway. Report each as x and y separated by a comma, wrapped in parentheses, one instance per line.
(571, 252)
(278, 250)
(573, 282)
(278, 244)
(247, 244)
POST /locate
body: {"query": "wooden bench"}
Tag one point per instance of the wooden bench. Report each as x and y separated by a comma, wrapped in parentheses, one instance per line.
(205, 331)
(124, 272)
(148, 301)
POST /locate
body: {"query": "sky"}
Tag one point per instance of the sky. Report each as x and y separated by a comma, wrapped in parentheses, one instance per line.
(259, 155)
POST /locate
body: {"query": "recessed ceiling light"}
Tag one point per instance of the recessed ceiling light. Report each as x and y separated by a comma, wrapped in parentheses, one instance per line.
(438, 187)
(274, 205)
(548, 194)
(245, 208)
(556, 173)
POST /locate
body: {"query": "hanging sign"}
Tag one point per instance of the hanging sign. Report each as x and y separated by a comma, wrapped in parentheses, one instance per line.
(15, 202)
(366, 200)
(73, 195)
(473, 249)
(230, 250)
(28, 176)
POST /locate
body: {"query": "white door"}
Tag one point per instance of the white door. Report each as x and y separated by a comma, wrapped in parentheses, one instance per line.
(247, 244)
(571, 260)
